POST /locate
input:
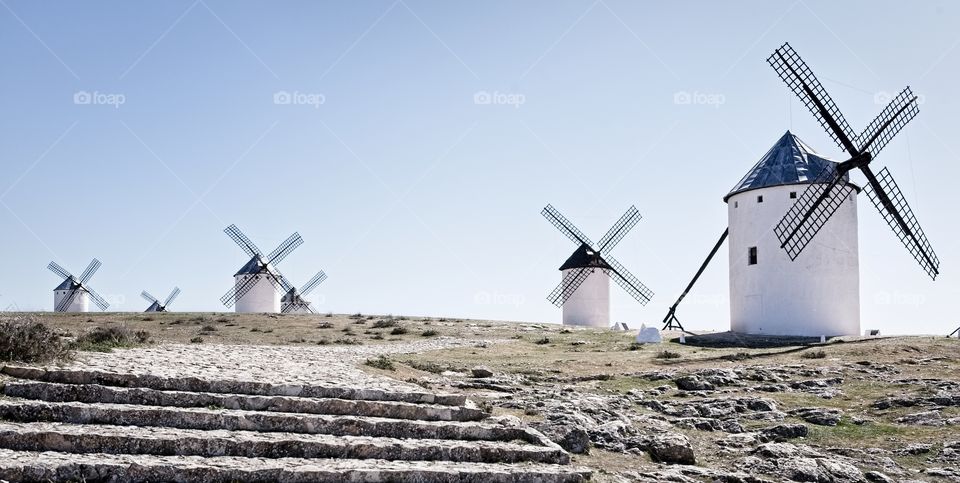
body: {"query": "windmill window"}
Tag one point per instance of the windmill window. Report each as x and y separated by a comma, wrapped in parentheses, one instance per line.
(793, 195)
(736, 204)
(760, 199)
(752, 256)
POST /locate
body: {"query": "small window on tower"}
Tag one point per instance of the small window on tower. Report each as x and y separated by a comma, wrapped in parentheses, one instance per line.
(793, 195)
(736, 204)
(752, 256)
(760, 199)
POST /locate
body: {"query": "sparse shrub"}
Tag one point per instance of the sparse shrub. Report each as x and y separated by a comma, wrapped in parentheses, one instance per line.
(665, 354)
(384, 323)
(27, 339)
(208, 328)
(817, 354)
(344, 341)
(196, 340)
(381, 362)
(429, 333)
(255, 329)
(441, 320)
(223, 320)
(739, 356)
(563, 331)
(329, 314)
(323, 342)
(398, 330)
(147, 319)
(635, 346)
(357, 315)
(542, 341)
(105, 339)
(324, 325)
(377, 336)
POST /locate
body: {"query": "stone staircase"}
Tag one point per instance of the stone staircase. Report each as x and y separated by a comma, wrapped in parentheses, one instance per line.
(82, 425)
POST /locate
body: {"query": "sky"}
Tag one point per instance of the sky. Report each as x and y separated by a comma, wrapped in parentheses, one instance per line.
(413, 144)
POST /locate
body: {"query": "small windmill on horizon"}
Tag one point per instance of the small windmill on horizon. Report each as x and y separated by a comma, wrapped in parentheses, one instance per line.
(74, 293)
(155, 305)
(295, 302)
(584, 291)
(258, 284)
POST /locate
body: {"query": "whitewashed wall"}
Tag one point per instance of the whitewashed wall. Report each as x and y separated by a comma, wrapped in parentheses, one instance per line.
(261, 298)
(589, 306)
(818, 294)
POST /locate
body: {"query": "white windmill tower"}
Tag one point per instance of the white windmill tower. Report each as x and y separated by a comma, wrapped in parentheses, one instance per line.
(584, 291)
(769, 293)
(294, 301)
(155, 305)
(805, 280)
(258, 284)
(73, 294)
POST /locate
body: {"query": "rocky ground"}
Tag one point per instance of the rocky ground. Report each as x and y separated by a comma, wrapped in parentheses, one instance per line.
(878, 409)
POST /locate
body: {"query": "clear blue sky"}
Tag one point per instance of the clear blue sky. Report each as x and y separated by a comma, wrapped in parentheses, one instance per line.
(414, 198)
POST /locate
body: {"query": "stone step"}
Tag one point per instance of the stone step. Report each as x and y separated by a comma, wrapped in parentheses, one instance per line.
(193, 384)
(28, 411)
(95, 393)
(92, 438)
(53, 466)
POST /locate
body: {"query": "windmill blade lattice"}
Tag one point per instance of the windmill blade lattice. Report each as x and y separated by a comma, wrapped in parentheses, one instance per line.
(285, 248)
(565, 227)
(313, 283)
(149, 298)
(798, 76)
(572, 280)
(67, 301)
(810, 212)
(91, 269)
(913, 239)
(628, 281)
(240, 239)
(901, 110)
(173, 296)
(97, 299)
(57, 269)
(620, 229)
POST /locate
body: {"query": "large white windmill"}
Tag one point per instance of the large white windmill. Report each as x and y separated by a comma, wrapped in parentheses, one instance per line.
(155, 305)
(74, 294)
(258, 285)
(798, 273)
(294, 301)
(584, 290)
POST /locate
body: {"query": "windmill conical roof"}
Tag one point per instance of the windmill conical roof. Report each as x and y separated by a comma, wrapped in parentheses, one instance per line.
(789, 161)
(253, 267)
(67, 284)
(584, 257)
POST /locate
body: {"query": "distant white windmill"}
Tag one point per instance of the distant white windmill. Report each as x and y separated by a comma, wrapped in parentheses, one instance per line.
(258, 284)
(293, 301)
(155, 305)
(584, 291)
(73, 294)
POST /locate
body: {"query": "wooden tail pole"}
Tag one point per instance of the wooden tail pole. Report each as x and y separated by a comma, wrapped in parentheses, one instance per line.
(670, 321)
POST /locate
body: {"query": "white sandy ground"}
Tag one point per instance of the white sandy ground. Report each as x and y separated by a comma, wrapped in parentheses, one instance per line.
(320, 365)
